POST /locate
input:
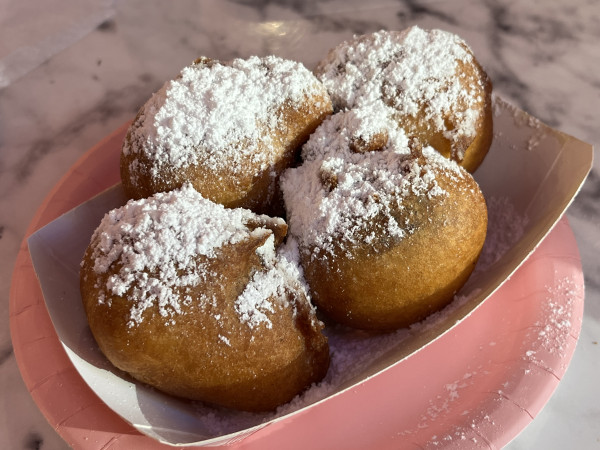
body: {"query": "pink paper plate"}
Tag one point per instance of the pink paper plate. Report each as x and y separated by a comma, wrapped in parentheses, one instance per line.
(477, 386)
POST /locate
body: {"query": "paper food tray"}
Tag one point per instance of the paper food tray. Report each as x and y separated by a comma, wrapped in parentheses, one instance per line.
(532, 173)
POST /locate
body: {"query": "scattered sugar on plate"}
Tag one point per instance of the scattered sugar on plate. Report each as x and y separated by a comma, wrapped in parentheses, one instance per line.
(552, 331)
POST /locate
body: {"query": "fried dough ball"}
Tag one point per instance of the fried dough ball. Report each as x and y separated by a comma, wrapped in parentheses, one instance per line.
(388, 230)
(197, 300)
(229, 129)
(430, 81)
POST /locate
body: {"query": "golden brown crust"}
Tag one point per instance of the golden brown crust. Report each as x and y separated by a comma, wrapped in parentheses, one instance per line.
(253, 187)
(389, 233)
(436, 119)
(468, 151)
(478, 148)
(251, 184)
(403, 281)
(207, 351)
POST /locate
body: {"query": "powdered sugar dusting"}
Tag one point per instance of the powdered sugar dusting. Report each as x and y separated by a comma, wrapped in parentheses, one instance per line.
(552, 333)
(156, 242)
(283, 271)
(413, 71)
(339, 133)
(346, 192)
(441, 404)
(199, 117)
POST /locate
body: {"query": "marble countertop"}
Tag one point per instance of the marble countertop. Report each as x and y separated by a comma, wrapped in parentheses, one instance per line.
(63, 90)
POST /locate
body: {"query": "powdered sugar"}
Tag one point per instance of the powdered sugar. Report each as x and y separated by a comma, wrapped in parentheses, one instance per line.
(156, 242)
(283, 272)
(415, 72)
(215, 114)
(343, 195)
(338, 135)
(551, 338)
